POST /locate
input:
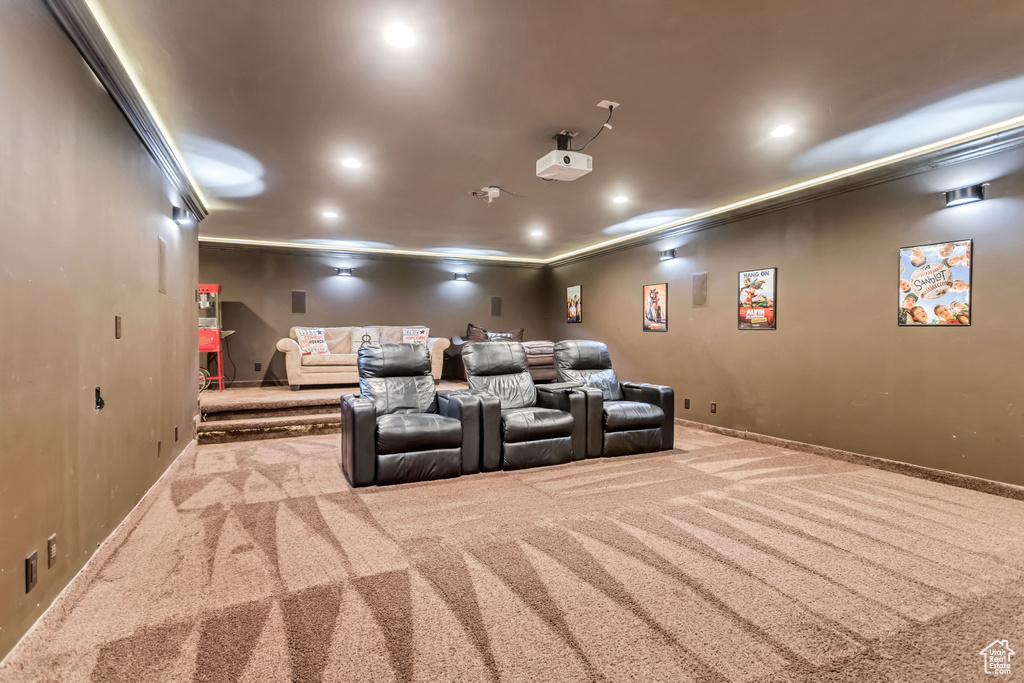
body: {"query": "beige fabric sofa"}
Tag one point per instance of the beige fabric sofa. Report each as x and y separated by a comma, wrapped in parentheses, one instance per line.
(339, 366)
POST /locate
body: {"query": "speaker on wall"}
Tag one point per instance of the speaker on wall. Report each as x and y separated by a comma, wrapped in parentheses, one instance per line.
(495, 305)
(700, 289)
(298, 301)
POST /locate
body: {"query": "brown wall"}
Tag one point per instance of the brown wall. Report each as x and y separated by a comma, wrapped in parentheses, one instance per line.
(838, 371)
(83, 206)
(258, 285)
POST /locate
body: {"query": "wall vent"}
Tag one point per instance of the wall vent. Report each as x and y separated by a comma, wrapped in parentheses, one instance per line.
(700, 290)
(298, 301)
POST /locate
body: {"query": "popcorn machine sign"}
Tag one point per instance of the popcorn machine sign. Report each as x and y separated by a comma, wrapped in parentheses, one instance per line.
(757, 299)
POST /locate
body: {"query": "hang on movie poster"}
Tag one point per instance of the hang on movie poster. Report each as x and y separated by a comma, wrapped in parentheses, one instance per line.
(935, 284)
(757, 299)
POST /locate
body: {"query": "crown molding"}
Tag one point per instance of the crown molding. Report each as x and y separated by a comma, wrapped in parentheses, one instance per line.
(88, 36)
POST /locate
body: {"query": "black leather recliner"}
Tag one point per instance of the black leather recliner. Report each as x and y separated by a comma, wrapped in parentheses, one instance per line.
(398, 428)
(523, 425)
(622, 417)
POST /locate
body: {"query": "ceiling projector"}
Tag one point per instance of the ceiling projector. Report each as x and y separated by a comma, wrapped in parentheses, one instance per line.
(563, 164)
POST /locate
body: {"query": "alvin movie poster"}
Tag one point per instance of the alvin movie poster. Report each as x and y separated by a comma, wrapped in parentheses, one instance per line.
(757, 299)
(935, 284)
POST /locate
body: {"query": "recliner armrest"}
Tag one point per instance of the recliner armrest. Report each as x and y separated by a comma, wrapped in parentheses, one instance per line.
(574, 402)
(490, 429)
(358, 440)
(466, 408)
(658, 395)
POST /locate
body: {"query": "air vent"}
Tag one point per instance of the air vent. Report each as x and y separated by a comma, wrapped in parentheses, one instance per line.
(700, 290)
(495, 306)
(298, 301)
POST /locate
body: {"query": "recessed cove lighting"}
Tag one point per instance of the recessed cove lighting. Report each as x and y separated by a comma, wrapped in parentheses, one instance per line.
(350, 162)
(965, 195)
(783, 131)
(461, 277)
(620, 199)
(399, 35)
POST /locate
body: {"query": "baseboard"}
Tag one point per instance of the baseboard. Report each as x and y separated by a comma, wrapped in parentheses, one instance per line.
(238, 384)
(964, 481)
(77, 586)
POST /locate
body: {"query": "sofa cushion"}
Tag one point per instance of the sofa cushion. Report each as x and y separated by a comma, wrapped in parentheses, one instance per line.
(339, 339)
(534, 424)
(331, 359)
(619, 415)
(405, 432)
(311, 340)
(364, 335)
(415, 335)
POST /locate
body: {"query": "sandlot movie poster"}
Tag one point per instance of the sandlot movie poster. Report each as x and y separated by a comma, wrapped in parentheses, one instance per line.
(757, 299)
(574, 304)
(935, 284)
(656, 308)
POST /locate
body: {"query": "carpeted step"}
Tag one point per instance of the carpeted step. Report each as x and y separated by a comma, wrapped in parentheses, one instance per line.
(220, 415)
(254, 428)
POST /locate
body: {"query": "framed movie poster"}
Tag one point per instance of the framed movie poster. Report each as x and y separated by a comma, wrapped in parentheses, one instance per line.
(757, 299)
(574, 304)
(935, 284)
(656, 308)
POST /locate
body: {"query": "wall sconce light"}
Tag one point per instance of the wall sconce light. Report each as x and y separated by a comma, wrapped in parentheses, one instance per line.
(461, 277)
(343, 272)
(965, 195)
(668, 254)
(181, 216)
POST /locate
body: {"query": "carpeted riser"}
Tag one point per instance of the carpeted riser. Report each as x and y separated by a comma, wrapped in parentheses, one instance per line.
(272, 412)
(278, 432)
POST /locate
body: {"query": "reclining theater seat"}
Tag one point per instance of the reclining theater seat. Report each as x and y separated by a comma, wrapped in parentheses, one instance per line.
(622, 418)
(399, 429)
(523, 425)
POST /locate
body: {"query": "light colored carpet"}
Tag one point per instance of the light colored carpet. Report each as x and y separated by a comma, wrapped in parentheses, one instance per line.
(723, 560)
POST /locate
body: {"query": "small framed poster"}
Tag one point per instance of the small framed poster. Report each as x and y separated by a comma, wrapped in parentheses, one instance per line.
(574, 304)
(935, 284)
(656, 308)
(757, 299)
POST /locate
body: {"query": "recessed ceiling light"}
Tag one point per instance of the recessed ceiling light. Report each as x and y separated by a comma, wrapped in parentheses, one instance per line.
(785, 130)
(351, 163)
(399, 35)
(537, 233)
(329, 214)
(620, 199)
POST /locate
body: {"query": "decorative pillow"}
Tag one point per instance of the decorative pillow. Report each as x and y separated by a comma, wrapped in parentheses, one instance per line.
(311, 341)
(364, 335)
(415, 335)
(475, 334)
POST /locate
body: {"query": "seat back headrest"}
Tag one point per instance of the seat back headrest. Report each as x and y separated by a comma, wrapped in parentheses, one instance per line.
(396, 377)
(582, 360)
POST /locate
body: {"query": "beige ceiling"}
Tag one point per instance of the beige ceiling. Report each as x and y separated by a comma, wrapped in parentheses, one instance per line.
(297, 86)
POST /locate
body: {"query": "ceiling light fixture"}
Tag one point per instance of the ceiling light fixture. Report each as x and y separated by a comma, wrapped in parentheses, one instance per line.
(965, 195)
(329, 214)
(536, 233)
(351, 163)
(399, 35)
(620, 199)
(668, 255)
(461, 277)
(181, 216)
(783, 131)
(343, 272)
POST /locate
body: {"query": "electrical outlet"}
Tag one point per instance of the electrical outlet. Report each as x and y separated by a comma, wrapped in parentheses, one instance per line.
(259, 366)
(714, 407)
(686, 404)
(51, 551)
(175, 433)
(159, 448)
(31, 571)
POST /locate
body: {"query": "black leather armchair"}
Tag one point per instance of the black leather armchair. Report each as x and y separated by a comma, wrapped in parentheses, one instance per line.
(622, 417)
(523, 425)
(398, 428)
